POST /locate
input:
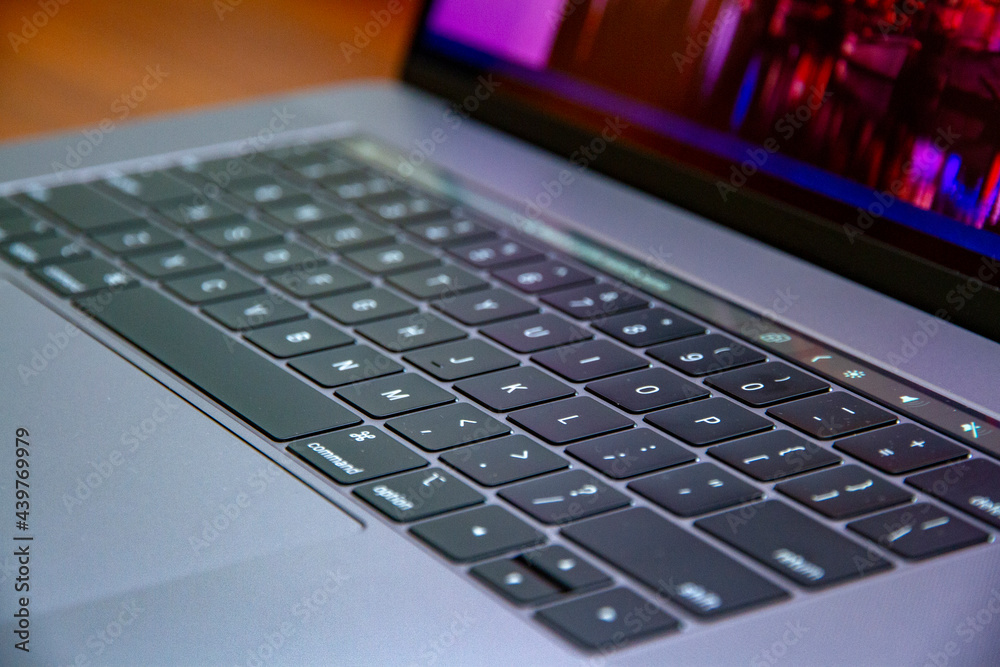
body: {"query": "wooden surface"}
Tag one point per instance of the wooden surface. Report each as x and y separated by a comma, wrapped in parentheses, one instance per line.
(72, 63)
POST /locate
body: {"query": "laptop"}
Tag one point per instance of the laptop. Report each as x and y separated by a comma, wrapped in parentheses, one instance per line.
(613, 333)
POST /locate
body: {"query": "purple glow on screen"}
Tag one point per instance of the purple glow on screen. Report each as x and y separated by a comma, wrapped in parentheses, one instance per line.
(516, 30)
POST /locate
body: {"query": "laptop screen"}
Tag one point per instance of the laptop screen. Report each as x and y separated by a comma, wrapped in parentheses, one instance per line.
(890, 108)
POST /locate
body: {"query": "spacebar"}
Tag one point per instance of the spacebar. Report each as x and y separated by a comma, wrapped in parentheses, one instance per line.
(266, 395)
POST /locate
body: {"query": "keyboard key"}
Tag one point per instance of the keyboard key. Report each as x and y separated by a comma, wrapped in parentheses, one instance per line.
(643, 328)
(345, 365)
(357, 455)
(173, 263)
(793, 545)
(151, 187)
(262, 393)
(296, 338)
(697, 489)
(592, 301)
(44, 249)
(703, 355)
(919, 531)
(136, 237)
(485, 306)
(83, 208)
(253, 312)
(216, 286)
(450, 231)
(395, 258)
(542, 276)
(401, 334)
(504, 460)
(565, 568)
(479, 533)
(346, 233)
(535, 332)
(844, 492)
(394, 395)
(831, 415)
(461, 359)
(647, 390)
(195, 209)
(84, 276)
(971, 486)
(515, 581)
(709, 421)
(403, 208)
(630, 453)
(418, 495)
(766, 384)
(493, 254)
(302, 211)
(564, 497)
(673, 562)
(262, 189)
(589, 360)
(236, 232)
(513, 388)
(310, 283)
(774, 455)
(365, 305)
(437, 282)
(901, 448)
(15, 223)
(609, 620)
(450, 426)
(277, 257)
(573, 419)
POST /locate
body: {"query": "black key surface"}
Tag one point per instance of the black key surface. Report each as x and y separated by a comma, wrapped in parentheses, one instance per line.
(593, 301)
(609, 620)
(84, 208)
(535, 332)
(44, 249)
(496, 253)
(346, 233)
(15, 223)
(774, 455)
(173, 263)
(461, 359)
(565, 568)
(261, 189)
(295, 338)
(647, 390)
(504, 460)
(767, 384)
(450, 231)
(136, 237)
(215, 286)
(844, 492)
(394, 395)
(794, 545)
(405, 208)
(357, 455)
(901, 448)
(402, 334)
(971, 486)
(345, 365)
(303, 211)
(564, 497)
(437, 282)
(236, 232)
(703, 355)
(630, 453)
(151, 187)
(195, 210)
(395, 258)
(697, 489)
(513, 388)
(485, 306)
(479, 533)
(266, 395)
(277, 257)
(319, 281)
(589, 360)
(573, 419)
(254, 311)
(650, 326)
(448, 426)
(542, 276)
(919, 531)
(708, 421)
(515, 581)
(831, 415)
(366, 305)
(84, 276)
(673, 562)
(418, 495)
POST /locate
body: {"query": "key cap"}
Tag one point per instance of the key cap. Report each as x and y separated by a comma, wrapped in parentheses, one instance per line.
(262, 189)
(565, 568)
(971, 486)
(515, 581)
(513, 388)
(831, 415)
(418, 495)
(347, 233)
(542, 276)
(673, 562)
(345, 365)
(296, 338)
(316, 165)
(493, 254)
(277, 257)
(642, 328)
(450, 426)
(437, 282)
(310, 283)
(630, 453)
(356, 455)
(402, 334)
(478, 533)
(151, 187)
(766, 384)
(195, 209)
(173, 263)
(365, 305)
(703, 355)
(230, 373)
(84, 277)
(535, 332)
(216, 286)
(609, 620)
(919, 531)
(709, 421)
(449, 231)
(395, 258)
(136, 237)
(647, 390)
(504, 460)
(83, 208)
(901, 448)
(254, 311)
(589, 360)
(236, 232)
(44, 249)
(566, 421)
(793, 545)
(696, 489)
(593, 301)
(485, 306)
(404, 208)
(15, 223)
(394, 395)
(564, 497)
(844, 492)
(774, 455)
(303, 211)
(461, 359)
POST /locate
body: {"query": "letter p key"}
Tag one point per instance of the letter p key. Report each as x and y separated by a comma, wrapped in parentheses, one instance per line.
(708, 420)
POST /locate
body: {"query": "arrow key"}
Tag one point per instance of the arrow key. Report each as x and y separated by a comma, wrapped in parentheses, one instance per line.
(505, 460)
(450, 426)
